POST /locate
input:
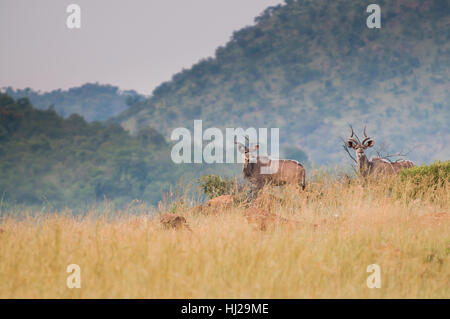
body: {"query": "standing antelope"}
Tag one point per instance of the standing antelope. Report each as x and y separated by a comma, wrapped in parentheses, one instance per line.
(288, 171)
(376, 165)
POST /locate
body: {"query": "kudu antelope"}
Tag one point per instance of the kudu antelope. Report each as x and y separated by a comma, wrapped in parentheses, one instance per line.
(376, 165)
(287, 172)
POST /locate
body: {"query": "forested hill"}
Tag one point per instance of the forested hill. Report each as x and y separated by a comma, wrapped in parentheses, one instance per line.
(56, 162)
(310, 67)
(93, 101)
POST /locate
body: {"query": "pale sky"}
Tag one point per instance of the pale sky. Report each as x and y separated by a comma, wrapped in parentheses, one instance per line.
(133, 44)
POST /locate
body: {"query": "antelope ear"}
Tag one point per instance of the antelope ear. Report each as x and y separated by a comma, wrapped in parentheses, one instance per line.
(369, 143)
(241, 147)
(350, 144)
(254, 148)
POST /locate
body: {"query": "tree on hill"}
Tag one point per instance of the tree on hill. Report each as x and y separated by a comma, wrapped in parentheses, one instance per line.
(93, 101)
(47, 159)
(310, 68)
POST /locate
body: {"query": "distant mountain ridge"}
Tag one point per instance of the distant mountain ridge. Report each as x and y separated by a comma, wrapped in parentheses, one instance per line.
(310, 68)
(50, 161)
(56, 162)
(93, 101)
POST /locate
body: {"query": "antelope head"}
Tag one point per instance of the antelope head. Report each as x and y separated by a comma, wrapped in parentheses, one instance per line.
(360, 146)
(250, 167)
(246, 150)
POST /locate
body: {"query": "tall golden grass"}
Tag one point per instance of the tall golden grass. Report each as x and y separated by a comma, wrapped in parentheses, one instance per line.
(341, 228)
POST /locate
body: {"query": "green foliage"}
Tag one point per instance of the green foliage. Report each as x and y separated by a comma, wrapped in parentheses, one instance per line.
(428, 175)
(423, 181)
(45, 159)
(92, 101)
(311, 67)
(214, 186)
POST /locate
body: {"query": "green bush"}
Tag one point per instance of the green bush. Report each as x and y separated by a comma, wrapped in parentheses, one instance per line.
(434, 174)
(214, 186)
(424, 178)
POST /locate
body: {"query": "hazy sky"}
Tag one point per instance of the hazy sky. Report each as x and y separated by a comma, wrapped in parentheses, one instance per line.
(134, 44)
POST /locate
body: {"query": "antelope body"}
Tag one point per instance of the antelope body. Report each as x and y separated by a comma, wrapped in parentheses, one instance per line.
(375, 166)
(288, 171)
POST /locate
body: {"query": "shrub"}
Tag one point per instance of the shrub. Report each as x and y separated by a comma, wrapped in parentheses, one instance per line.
(426, 177)
(433, 174)
(213, 185)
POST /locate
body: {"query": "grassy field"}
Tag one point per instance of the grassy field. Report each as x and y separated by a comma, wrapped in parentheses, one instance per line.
(339, 230)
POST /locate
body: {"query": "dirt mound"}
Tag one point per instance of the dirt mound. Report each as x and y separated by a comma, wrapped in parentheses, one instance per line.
(221, 201)
(263, 219)
(215, 205)
(174, 221)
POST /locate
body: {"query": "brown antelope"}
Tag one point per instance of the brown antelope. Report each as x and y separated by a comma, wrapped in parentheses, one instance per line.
(287, 172)
(376, 165)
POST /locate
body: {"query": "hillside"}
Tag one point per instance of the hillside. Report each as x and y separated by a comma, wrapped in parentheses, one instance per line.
(310, 68)
(55, 162)
(93, 101)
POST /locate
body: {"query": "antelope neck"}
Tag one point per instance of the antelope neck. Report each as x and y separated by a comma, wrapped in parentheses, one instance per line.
(363, 163)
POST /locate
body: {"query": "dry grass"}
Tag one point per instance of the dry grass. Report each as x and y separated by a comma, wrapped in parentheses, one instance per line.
(339, 230)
